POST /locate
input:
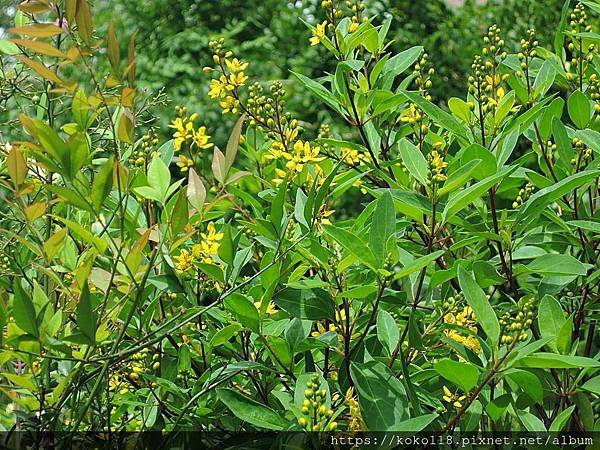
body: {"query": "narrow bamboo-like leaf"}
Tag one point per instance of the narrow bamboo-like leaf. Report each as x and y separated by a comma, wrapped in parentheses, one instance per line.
(17, 165)
(114, 55)
(40, 47)
(37, 30)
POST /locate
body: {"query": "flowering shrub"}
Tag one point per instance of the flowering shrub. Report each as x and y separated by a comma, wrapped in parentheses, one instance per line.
(152, 285)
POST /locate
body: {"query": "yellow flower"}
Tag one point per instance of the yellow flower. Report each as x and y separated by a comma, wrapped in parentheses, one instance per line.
(276, 151)
(355, 423)
(236, 66)
(184, 163)
(219, 88)
(230, 104)
(465, 318)
(201, 139)
(281, 175)
(184, 261)
(209, 246)
(212, 233)
(271, 309)
(306, 152)
(184, 129)
(438, 164)
(353, 26)
(321, 329)
(318, 33)
(237, 79)
(411, 115)
(455, 399)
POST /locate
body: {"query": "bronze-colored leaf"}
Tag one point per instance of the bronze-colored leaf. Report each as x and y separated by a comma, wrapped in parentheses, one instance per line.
(37, 30)
(41, 47)
(17, 166)
(114, 55)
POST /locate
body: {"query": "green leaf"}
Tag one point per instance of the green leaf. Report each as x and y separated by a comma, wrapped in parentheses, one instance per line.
(311, 304)
(320, 92)
(415, 424)
(383, 226)
(529, 382)
(439, 116)
(218, 165)
(84, 234)
(580, 109)
(380, 394)
(465, 197)
(224, 334)
(414, 160)
(460, 109)
(54, 244)
(459, 177)
(23, 310)
(244, 310)
(402, 61)
(86, 317)
(475, 152)
(353, 244)
(179, 213)
(300, 209)
(592, 385)
(561, 420)
(387, 330)
(159, 177)
(557, 264)
(462, 374)
(251, 411)
(102, 184)
(556, 361)
(8, 48)
(477, 300)
(551, 318)
(417, 264)
(544, 197)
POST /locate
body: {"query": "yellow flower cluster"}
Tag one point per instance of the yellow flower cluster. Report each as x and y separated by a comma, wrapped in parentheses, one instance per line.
(184, 261)
(437, 165)
(466, 318)
(203, 252)
(355, 421)
(186, 133)
(231, 77)
(353, 157)
(211, 241)
(302, 153)
(318, 33)
(453, 398)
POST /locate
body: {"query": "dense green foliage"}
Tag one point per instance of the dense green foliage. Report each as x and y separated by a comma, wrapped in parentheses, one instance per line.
(370, 250)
